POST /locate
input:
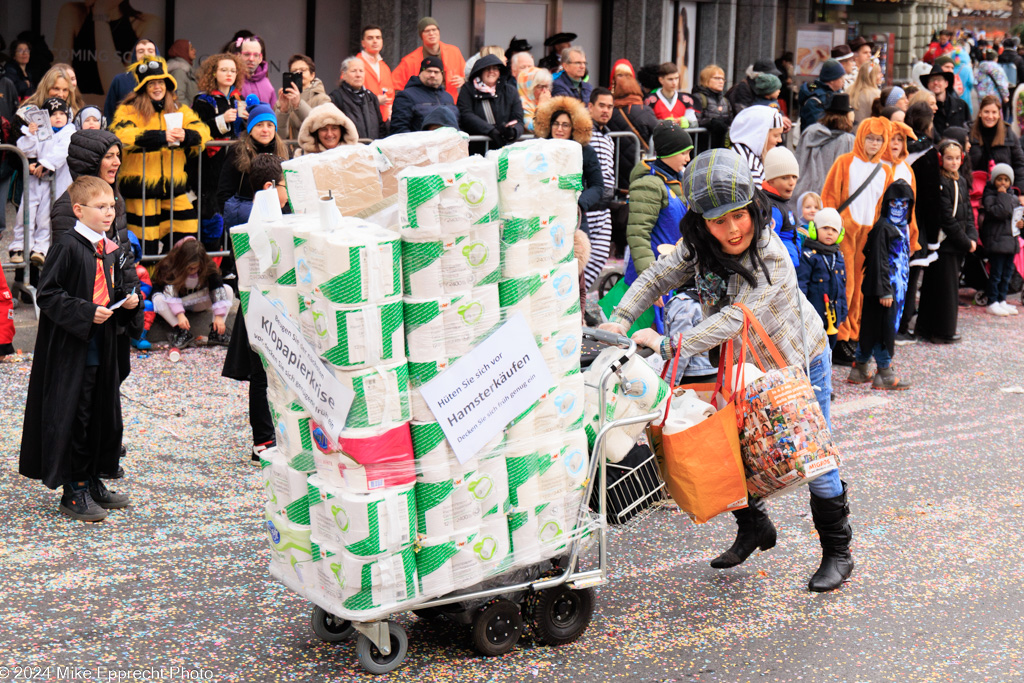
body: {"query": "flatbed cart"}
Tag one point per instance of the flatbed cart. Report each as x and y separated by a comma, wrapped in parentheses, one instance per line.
(555, 597)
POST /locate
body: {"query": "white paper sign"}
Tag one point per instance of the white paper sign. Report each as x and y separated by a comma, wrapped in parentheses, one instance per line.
(487, 388)
(270, 331)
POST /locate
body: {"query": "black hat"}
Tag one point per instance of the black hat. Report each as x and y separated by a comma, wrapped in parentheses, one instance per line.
(670, 139)
(859, 42)
(56, 104)
(151, 69)
(518, 45)
(559, 38)
(937, 71)
(431, 61)
(766, 66)
(840, 104)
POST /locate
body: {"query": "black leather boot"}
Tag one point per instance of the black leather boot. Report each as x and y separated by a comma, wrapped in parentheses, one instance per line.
(831, 519)
(105, 498)
(755, 531)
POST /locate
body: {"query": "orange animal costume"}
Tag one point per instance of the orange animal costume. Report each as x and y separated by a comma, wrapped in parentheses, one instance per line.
(848, 173)
(901, 170)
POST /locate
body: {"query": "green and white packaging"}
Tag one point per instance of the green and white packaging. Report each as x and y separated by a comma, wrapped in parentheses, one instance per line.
(364, 524)
(381, 395)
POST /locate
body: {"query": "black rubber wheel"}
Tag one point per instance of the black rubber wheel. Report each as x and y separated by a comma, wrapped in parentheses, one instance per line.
(371, 659)
(497, 627)
(328, 627)
(560, 615)
(429, 613)
(607, 281)
(981, 298)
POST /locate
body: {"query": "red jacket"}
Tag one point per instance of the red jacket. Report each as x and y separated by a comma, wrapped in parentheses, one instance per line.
(376, 84)
(454, 64)
(6, 319)
(935, 51)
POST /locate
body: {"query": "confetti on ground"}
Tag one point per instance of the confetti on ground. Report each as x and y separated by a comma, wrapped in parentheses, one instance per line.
(180, 577)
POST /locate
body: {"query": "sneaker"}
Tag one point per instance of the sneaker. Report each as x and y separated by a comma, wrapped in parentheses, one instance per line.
(844, 354)
(105, 498)
(17, 257)
(142, 344)
(1009, 308)
(182, 339)
(995, 308)
(214, 339)
(258, 449)
(860, 374)
(78, 504)
(905, 339)
(37, 259)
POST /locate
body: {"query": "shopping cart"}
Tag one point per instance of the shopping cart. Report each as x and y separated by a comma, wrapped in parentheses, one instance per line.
(555, 597)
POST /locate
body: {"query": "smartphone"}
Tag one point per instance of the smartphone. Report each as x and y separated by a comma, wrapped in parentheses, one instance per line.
(288, 78)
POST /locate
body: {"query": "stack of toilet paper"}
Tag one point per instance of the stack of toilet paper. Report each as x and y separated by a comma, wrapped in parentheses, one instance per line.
(421, 148)
(443, 200)
(537, 173)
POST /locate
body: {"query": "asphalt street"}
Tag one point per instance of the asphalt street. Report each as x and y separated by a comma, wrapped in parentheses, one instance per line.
(179, 579)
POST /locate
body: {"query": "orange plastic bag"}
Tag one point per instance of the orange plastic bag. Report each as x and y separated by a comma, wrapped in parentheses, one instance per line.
(702, 466)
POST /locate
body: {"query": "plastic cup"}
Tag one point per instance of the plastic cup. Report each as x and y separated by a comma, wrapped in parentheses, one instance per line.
(174, 355)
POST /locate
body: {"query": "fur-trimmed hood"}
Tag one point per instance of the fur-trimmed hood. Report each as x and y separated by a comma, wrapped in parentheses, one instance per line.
(582, 125)
(323, 115)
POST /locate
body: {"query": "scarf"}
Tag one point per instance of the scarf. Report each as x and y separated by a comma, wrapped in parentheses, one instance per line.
(819, 247)
(482, 87)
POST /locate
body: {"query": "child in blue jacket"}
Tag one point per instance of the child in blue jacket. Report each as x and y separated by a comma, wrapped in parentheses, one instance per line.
(822, 270)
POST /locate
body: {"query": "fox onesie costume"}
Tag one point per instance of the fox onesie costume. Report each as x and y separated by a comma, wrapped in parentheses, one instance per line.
(848, 173)
(901, 170)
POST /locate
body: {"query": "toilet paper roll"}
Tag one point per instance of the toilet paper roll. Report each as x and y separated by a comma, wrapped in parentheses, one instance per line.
(561, 228)
(364, 584)
(247, 264)
(552, 480)
(524, 244)
(515, 294)
(561, 347)
(492, 545)
(469, 318)
(291, 424)
(522, 528)
(476, 187)
(575, 458)
(288, 480)
(381, 395)
(285, 298)
(569, 399)
(291, 548)
(282, 244)
(424, 329)
(423, 274)
(481, 251)
(435, 564)
(359, 336)
(484, 487)
(358, 263)
(435, 461)
(365, 524)
(301, 232)
(419, 200)
(530, 170)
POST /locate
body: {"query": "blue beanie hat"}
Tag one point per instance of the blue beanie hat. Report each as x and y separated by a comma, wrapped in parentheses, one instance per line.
(258, 111)
(831, 70)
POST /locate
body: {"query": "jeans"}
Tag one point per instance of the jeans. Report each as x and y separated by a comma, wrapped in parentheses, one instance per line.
(1000, 270)
(881, 354)
(827, 485)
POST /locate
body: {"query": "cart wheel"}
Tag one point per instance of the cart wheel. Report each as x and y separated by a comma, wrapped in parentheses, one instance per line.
(980, 298)
(606, 283)
(497, 627)
(560, 615)
(328, 627)
(371, 659)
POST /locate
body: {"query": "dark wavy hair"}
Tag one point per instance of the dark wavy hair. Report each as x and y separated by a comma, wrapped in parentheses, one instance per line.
(703, 249)
(173, 268)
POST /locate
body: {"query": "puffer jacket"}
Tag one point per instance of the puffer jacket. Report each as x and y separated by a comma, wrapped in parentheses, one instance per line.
(504, 105)
(414, 102)
(647, 197)
(996, 229)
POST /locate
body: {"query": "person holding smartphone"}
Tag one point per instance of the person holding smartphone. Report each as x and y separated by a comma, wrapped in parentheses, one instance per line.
(301, 92)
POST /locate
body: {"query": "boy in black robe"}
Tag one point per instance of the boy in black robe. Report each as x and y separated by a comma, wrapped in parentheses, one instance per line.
(73, 391)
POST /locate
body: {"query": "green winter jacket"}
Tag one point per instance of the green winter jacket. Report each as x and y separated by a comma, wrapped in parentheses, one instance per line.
(647, 198)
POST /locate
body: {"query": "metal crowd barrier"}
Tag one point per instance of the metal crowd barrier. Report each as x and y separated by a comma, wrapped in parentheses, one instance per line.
(19, 286)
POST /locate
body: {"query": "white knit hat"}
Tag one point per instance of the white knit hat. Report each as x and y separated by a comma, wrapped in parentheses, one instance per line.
(828, 218)
(779, 161)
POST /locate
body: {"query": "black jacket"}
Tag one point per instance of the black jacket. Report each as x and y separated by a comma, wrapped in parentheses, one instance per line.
(593, 197)
(363, 108)
(414, 102)
(926, 173)
(959, 225)
(741, 95)
(952, 112)
(983, 154)
(234, 183)
(996, 228)
(504, 106)
(715, 113)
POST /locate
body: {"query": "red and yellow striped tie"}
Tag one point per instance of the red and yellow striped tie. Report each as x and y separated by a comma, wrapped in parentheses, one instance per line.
(99, 290)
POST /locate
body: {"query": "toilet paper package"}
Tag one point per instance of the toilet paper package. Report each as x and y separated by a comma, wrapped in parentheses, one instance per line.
(419, 374)
(568, 399)
(285, 480)
(291, 424)
(469, 318)
(278, 390)
(424, 329)
(364, 524)
(282, 244)
(449, 563)
(561, 347)
(525, 244)
(435, 460)
(358, 263)
(421, 148)
(365, 459)
(349, 172)
(537, 172)
(523, 467)
(442, 200)
(284, 298)
(575, 459)
(456, 263)
(358, 336)
(562, 287)
(366, 587)
(340, 470)
(381, 395)
(247, 264)
(517, 294)
(291, 548)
